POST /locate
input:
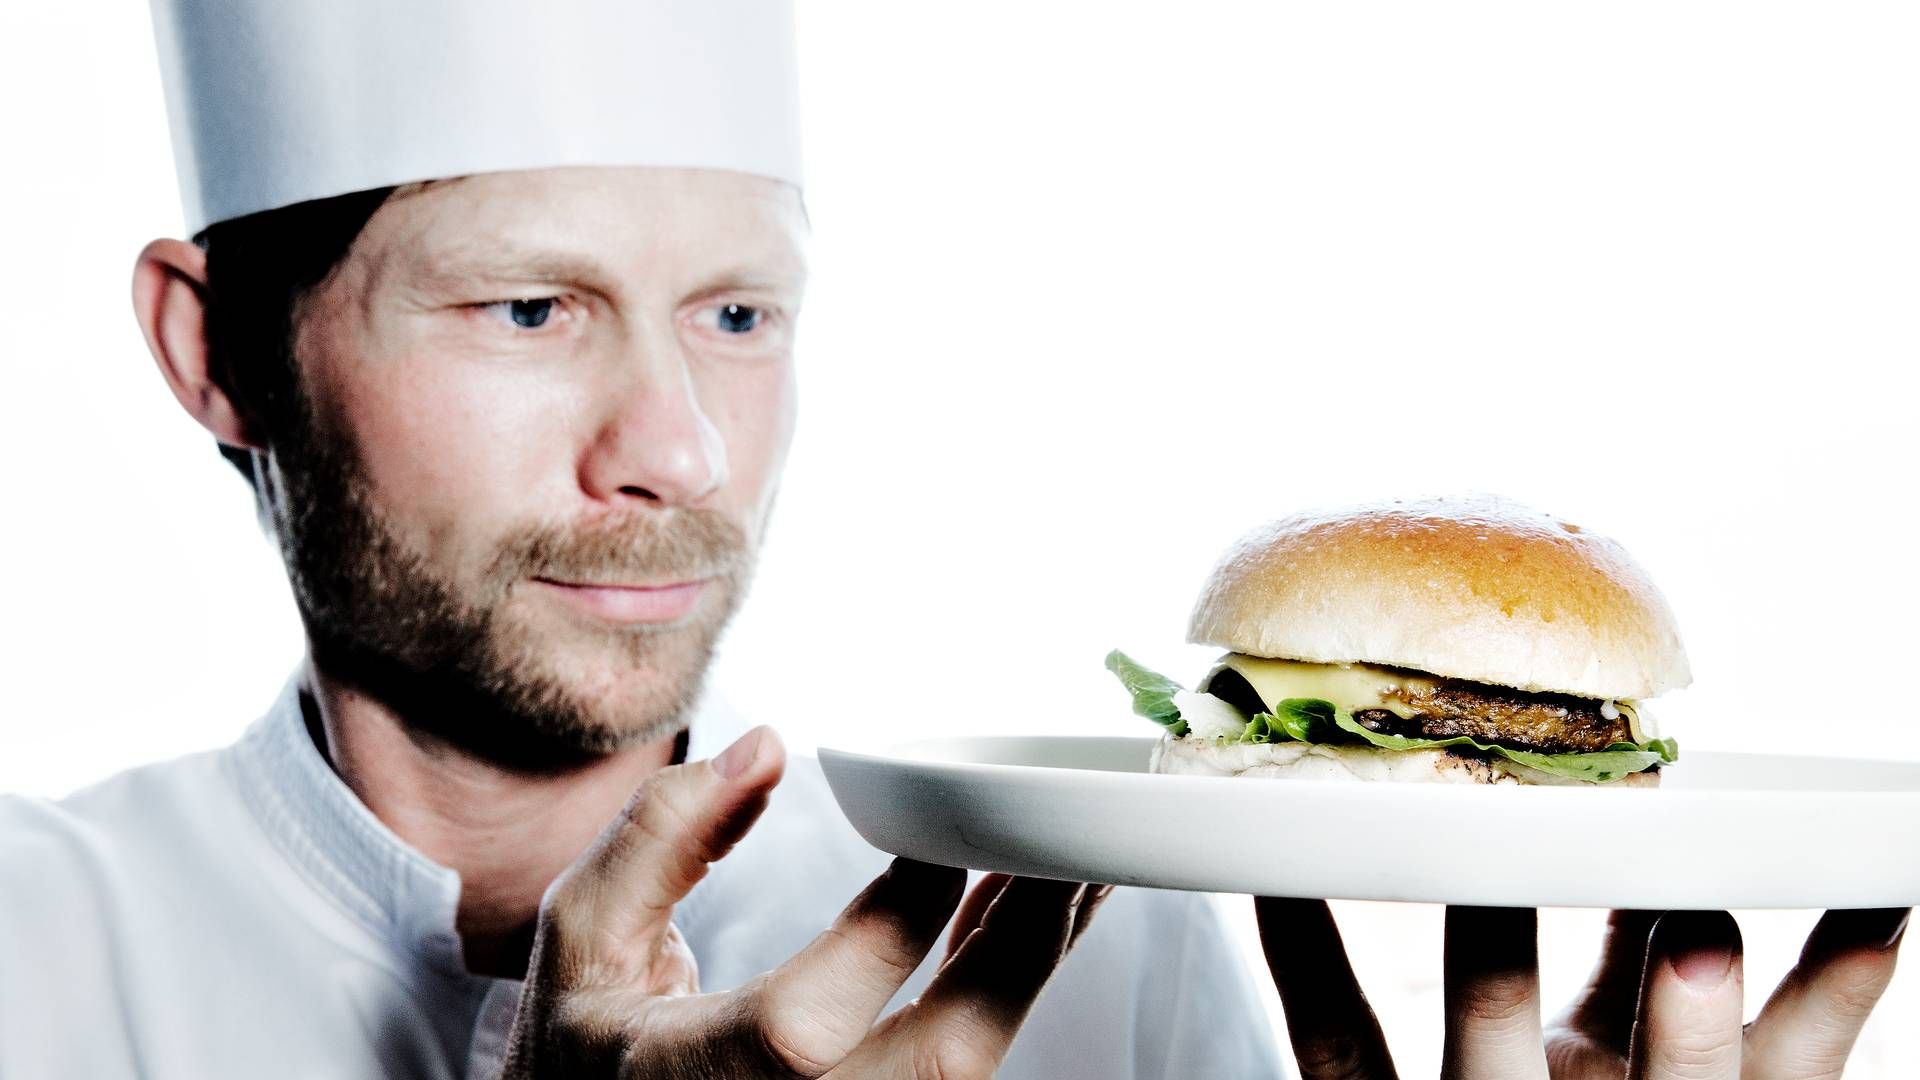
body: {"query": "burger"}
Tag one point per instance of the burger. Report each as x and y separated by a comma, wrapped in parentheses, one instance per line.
(1450, 640)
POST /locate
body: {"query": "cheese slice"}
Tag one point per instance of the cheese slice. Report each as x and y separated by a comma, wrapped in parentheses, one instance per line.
(1349, 686)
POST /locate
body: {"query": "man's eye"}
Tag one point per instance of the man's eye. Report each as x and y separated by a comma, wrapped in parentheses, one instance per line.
(525, 314)
(738, 318)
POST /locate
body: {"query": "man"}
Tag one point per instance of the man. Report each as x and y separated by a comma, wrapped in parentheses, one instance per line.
(513, 383)
(496, 312)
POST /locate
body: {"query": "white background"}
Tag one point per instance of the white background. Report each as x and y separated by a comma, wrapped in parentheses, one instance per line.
(1095, 289)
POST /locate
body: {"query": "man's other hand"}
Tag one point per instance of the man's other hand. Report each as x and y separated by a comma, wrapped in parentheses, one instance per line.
(1664, 1002)
(612, 988)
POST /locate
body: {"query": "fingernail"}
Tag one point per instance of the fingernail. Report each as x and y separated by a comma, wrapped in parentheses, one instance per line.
(1877, 928)
(734, 759)
(1700, 945)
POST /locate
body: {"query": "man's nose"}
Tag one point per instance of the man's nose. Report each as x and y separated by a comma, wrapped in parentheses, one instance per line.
(656, 443)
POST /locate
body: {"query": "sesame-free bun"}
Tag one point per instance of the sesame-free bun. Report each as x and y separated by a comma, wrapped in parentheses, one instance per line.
(1319, 761)
(1477, 588)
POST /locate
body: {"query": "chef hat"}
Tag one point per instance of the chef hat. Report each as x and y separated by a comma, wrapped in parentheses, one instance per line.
(274, 102)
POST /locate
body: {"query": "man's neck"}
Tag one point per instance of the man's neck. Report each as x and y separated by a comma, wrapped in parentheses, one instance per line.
(507, 833)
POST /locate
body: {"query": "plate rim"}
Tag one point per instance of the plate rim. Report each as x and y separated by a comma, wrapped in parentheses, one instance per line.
(1464, 790)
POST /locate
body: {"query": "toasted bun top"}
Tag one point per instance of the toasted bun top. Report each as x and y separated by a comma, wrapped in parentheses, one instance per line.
(1478, 588)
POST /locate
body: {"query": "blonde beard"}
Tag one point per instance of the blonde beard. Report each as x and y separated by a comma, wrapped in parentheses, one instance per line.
(454, 661)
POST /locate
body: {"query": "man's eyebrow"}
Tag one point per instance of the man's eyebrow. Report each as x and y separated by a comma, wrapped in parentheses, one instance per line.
(503, 263)
(749, 279)
(461, 266)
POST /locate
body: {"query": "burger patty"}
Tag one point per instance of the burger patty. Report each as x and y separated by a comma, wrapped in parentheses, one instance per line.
(1546, 723)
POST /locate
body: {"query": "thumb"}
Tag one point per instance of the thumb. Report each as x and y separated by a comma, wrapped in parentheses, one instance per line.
(651, 855)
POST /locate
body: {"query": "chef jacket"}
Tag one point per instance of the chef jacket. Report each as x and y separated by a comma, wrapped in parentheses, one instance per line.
(239, 913)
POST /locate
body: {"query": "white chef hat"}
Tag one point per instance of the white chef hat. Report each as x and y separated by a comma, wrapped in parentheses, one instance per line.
(274, 102)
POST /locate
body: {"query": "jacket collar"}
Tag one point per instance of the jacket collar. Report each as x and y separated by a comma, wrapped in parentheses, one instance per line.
(397, 893)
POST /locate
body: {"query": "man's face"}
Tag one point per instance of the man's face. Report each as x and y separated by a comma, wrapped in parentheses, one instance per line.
(546, 416)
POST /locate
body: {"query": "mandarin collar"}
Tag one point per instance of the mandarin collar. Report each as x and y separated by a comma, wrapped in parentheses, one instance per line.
(392, 889)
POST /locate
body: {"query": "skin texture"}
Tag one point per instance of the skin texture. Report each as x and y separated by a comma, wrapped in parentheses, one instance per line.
(1663, 1003)
(516, 386)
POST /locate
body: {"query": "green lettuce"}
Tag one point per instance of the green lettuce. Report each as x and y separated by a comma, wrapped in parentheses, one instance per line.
(1152, 692)
(1315, 720)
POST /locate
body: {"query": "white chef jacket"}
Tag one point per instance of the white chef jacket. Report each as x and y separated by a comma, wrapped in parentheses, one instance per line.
(239, 913)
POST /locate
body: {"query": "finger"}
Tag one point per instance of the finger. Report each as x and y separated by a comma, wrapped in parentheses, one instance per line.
(810, 1012)
(1090, 902)
(1690, 1000)
(650, 856)
(1333, 1031)
(974, 909)
(969, 1015)
(1598, 1025)
(1809, 1025)
(1492, 991)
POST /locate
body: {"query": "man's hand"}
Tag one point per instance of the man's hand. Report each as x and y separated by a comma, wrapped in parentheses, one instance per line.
(612, 988)
(1664, 1002)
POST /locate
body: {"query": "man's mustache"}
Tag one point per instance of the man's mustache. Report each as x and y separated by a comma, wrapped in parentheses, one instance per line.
(637, 546)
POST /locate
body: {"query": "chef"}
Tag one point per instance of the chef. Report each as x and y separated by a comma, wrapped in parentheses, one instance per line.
(493, 305)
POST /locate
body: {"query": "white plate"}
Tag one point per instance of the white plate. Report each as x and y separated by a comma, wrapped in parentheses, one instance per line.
(1721, 831)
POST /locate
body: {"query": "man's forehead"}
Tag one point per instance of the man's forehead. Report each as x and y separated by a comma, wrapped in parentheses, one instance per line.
(611, 213)
(634, 181)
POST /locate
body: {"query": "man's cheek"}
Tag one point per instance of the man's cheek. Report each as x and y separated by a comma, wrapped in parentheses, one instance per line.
(757, 429)
(462, 436)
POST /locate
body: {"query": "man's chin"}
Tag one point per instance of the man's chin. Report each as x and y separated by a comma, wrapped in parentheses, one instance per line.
(554, 709)
(601, 688)
(609, 708)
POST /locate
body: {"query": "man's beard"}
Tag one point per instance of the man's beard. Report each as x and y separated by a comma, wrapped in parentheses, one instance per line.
(451, 661)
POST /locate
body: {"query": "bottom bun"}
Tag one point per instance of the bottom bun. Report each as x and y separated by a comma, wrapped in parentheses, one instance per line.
(1313, 761)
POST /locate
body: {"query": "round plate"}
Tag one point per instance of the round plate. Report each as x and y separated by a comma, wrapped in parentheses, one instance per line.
(1721, 831)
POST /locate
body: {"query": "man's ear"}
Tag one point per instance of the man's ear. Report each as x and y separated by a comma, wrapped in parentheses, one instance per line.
(170, 300)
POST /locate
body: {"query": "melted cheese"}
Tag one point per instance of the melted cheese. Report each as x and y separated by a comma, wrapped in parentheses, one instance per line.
(1638, 722)
(1349, 686)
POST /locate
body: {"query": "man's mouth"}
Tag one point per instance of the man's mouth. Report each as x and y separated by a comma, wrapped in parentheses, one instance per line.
(628, 603)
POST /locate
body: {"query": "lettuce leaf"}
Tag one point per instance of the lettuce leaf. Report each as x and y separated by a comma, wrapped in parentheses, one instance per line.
(1152, 692)
(1263, 728)
(1304, 720)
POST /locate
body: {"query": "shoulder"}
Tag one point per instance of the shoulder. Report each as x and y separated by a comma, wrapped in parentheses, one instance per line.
(59, 872)
(44, 844)
(67, 864)
(114, 815)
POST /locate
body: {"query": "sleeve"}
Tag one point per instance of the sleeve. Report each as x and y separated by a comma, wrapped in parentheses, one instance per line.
(1199, 1011)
